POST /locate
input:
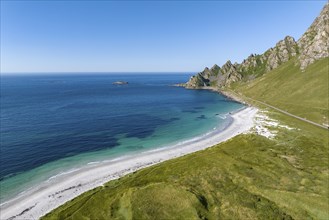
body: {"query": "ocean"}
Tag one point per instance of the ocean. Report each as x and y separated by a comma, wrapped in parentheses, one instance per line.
(52, 124)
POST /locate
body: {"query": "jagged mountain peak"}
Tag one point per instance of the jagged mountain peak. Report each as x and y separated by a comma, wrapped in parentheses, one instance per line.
(283, 51)
(289, 39)
(228, 63)
(314, 43)
(215, 67)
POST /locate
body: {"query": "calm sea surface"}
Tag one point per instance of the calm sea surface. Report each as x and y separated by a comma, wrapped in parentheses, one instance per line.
(54, 123)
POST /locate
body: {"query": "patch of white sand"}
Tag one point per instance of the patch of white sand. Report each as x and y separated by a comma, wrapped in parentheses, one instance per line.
(265, 126)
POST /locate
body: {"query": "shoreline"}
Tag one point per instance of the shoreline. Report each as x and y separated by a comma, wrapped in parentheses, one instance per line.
(51, 195)
(217, 90)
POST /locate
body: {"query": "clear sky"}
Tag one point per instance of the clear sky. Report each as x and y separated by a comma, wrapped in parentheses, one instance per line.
(138, 36)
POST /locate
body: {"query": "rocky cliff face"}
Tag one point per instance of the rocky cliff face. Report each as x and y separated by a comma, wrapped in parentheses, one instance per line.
(215, 77)
(283, 51)
(250, 68)
(256, 65)
(313, 45)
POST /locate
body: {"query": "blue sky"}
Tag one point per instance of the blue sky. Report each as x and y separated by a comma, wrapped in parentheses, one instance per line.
(143, 36)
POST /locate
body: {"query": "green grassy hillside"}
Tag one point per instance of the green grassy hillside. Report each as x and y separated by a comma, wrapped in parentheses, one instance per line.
(247, 177)
(304, 94)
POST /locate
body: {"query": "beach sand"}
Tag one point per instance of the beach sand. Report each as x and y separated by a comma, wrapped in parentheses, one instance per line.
(49, 195)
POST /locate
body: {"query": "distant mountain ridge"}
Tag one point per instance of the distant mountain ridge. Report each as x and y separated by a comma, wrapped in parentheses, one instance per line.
(312, 46)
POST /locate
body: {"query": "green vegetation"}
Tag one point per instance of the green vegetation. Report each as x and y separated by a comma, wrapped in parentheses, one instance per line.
(247, 177)
(255, 71)
(215, 71)
(213, 83)
(304, 94)
(311, 35)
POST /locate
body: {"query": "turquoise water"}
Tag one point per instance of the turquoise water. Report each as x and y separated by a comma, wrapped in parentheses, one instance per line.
(54, 124)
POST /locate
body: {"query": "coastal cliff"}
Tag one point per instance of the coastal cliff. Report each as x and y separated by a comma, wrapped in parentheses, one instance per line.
(215, 76)
(312, 46)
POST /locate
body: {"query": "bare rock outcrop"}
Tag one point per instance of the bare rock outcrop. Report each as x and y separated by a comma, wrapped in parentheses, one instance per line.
(314, 44)
(215, 76)
(283, 51)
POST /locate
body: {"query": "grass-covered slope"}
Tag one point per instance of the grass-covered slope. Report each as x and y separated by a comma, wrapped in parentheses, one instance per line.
(304, 94)
(247, 177)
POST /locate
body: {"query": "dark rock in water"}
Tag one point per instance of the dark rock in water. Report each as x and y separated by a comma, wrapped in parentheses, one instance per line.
(191, 111)
(120, 83)
(201, 117)
(198, 107)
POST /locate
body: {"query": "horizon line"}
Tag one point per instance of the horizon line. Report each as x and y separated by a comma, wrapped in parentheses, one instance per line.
(100, 72)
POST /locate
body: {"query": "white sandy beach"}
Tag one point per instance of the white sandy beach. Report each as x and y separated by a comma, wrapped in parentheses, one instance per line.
(49, 195)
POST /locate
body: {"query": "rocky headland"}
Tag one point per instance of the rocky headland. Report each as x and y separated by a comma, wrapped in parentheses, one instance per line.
(312, 46)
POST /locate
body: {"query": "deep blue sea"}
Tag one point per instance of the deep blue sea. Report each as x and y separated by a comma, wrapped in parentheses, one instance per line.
(54, 123)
